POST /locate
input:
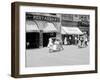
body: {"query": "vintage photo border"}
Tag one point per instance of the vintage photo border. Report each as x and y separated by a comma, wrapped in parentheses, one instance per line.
(15, 32)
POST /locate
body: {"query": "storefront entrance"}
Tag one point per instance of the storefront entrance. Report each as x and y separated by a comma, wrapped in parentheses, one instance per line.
(32, 40)
(46, 37)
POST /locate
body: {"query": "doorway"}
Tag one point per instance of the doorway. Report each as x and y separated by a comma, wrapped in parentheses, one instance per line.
(32, 40)
(46, 37)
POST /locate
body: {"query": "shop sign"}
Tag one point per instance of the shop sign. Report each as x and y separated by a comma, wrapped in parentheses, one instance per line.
(43, 18)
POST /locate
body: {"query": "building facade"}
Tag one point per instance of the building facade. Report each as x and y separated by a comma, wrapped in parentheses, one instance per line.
(40, 27)
(76, 20)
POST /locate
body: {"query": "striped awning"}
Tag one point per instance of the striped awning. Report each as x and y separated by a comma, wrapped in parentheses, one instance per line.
(71, 30)
(49, 28)
(31, 26)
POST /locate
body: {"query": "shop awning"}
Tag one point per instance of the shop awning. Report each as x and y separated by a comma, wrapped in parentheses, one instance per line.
(50, 28)
(71, 30)
(31, 26)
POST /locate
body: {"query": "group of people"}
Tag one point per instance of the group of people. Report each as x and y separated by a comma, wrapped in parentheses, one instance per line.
(54, 45)
(70, 40)
(83, 41)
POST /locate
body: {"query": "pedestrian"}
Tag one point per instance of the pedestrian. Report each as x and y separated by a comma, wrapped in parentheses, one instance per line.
(60, 45)
(80, 42)
(86, 41)
(55, 45)
(76, 40)
(50, 44)
(70, 40)
(65, 40)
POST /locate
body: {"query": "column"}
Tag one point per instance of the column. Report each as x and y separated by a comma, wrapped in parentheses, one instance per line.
(41, 39)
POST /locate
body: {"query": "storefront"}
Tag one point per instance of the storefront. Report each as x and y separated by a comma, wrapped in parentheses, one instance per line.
(71, 34)
(39, 29)
(32, 35)
(48, 31)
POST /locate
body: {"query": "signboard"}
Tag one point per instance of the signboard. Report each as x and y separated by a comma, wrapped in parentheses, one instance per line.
(42, 18)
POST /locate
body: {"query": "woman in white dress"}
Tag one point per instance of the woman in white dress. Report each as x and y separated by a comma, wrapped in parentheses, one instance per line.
(65, 40)
(56, 45)
(50, 44)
